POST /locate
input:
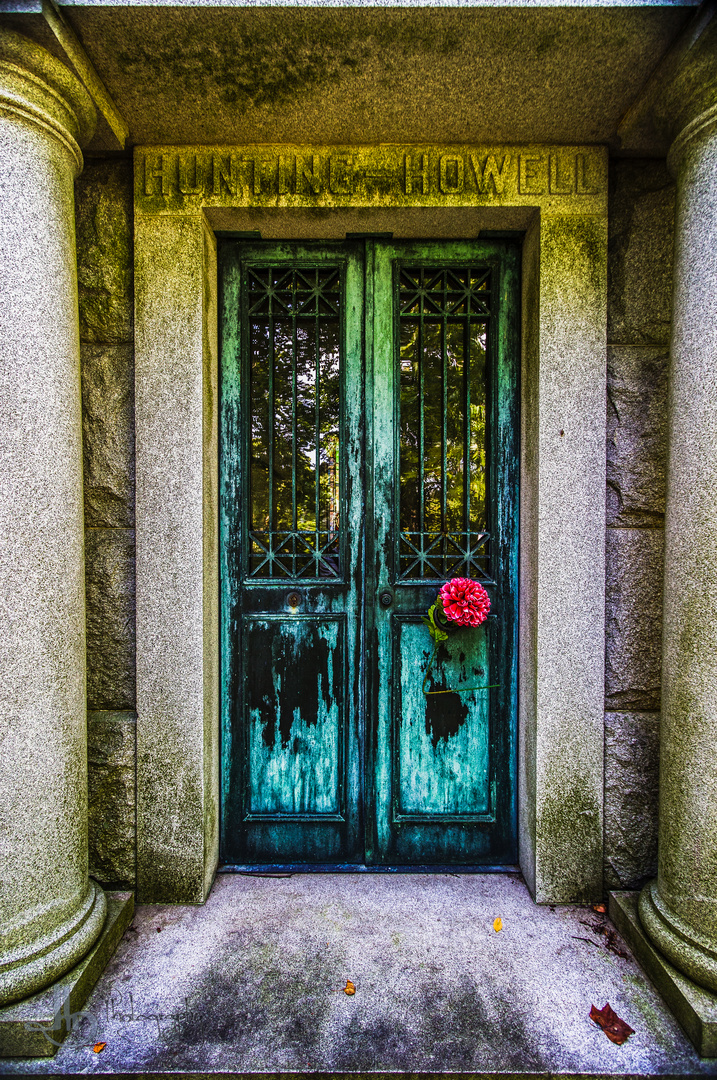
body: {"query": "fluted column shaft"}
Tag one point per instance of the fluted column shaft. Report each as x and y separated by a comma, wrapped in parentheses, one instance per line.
(50, 913)
(679, 910)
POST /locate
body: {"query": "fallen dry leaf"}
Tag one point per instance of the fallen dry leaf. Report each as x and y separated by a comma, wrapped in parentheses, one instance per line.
(600, 908)
(498, 924)
(99, 1047)
(349, 988)
(616, 1029)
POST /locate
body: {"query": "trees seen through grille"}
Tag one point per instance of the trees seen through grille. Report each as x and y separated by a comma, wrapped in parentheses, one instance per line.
(294, 319)
(443, 327)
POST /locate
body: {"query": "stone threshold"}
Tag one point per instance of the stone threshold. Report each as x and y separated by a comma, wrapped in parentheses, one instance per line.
(253, 983)
(37, 1026)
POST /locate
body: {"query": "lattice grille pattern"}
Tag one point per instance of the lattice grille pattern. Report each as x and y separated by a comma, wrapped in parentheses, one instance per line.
(426, 291)
(444, 555)
(295, 555)
(294, 322)
(280, 292)
(444, 319)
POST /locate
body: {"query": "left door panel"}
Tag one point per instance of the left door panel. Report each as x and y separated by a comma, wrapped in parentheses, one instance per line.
(292, 543)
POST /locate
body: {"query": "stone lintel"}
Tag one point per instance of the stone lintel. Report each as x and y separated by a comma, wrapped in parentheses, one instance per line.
(694, 1007)
(36, 1026)
(561, 179)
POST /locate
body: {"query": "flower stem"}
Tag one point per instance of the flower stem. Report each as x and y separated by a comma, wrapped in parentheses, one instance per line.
(464, 690)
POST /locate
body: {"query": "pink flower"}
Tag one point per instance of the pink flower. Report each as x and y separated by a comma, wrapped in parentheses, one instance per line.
(465, 602)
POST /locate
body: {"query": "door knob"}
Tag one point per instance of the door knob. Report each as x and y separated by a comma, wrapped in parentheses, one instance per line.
(385, 598)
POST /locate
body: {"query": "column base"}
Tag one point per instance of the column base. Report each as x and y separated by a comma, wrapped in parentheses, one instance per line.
(692, 954)
(36, 1026)
(694, 1007)
(28, 969)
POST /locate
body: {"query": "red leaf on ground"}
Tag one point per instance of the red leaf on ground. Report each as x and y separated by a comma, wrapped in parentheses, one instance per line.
(616, 1029)
(99, 1047)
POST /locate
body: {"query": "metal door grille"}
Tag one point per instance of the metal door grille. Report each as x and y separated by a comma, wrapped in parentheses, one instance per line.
(294, 356)
(443, 331)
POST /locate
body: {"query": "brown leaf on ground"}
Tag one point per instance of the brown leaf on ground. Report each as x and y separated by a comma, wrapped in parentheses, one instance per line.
(600, 908)
(99, 1047)
(616, 1029)
(349, 988)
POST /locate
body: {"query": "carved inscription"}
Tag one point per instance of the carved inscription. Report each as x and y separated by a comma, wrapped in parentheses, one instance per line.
(405, 174)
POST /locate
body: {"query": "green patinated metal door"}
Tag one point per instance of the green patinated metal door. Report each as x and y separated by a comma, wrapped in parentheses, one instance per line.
(369, 437)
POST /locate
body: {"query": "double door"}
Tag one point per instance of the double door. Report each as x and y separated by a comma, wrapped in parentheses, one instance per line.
(368, 454)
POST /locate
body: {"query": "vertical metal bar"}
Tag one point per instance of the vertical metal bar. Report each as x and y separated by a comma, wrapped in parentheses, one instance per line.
(467, 424)
(444, 426)
(421, 428)
(293, 428)
(444, 421)
(272, 363)
(317, 439)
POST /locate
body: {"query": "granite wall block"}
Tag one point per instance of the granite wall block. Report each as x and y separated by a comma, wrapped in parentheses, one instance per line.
(111, 747)
(104, 236)
(104, 227)
(108, 435)
(640, 243)
(636, 436)
(641, 238)
(633, 618)
(110, 588)
(631, 788)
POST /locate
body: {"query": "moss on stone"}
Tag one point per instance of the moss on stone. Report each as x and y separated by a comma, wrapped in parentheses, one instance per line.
(104, 216)
(570, 856)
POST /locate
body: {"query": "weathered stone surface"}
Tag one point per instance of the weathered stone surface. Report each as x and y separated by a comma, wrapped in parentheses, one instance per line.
(111, 747)
(680, 915)
(50, 914)
(632, 743)
(35, 1026)
(109, 573)
(251, 984)
(693, 1007)
(108, 433)
(502, 74)
(177, 580)
(641, 225)
(636, 435)
(633, 618)
(103, 196)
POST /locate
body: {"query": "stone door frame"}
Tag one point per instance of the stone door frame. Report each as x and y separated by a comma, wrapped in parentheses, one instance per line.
(557, 196)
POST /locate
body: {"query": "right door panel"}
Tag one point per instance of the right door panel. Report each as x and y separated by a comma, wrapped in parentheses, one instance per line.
(442, 371)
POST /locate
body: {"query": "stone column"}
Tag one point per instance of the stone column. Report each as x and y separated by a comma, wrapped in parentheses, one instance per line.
(679, 910)
(50, 913)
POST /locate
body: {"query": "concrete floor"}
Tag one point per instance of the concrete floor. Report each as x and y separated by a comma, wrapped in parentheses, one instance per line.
(253, 983)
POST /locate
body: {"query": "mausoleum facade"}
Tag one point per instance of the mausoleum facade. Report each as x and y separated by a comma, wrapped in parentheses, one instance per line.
(307, 310)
